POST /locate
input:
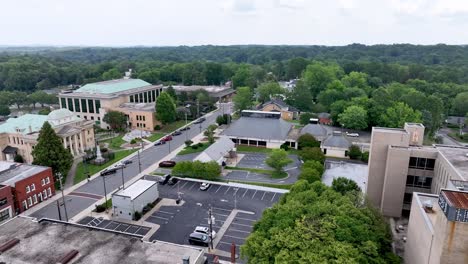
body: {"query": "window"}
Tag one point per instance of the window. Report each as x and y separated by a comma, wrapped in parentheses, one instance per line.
(33, 187)
(4, 215)
(63, 102)
(42, 182)
(84, 106)
(419, 181)
(27, 189)
(77, 105)
(99, 118)
(25, 205)
(153, 92)
(131, 99)
(47, 180)
(30, 201)
(421, 163)
(91, 106)
(35, 199)
(144, 118)
(141, 98)
(98, 106)
(3, 201)
(49, 191)
(145, 94)
(44, 194)
(407, 198)
(70, 104)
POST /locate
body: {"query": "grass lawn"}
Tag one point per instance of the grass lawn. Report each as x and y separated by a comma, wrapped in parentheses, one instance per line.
(172, 126)
(456, 135)
(115, 143)
(80, 169)
(272, 173)
(155, 136)
(190, 150)
(271, 185)
(242, 148)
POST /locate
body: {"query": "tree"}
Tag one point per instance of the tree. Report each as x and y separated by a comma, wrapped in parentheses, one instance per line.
(277, 159)
(19, 98)
(111, 74)
(318, 75)
(307, 141)
(243, 77)
(301, 97)
(44, 111)
(304, 119)
(344, 185)
(329, 96)
(266, 90)
(38, 97)
(295, 67)
(117, 120)
(243, 99)
(354, 117)
(18, 158)
(165, 108)
(309, 174)
(354, 152)
(171, 91)
(49, 151)
(460, 104)
(312, 154)
(209, 133)
(313, 164)
(4, 110)
(197, 169)
(400, 113)
(356, 79)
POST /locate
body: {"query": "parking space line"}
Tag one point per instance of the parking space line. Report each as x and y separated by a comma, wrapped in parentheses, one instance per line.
(227, 190)
(164, 212)
(254, 194)
(274, 194)
(221, 214)
(235, 192)
(160, 217)
(184, 184)
(217, 208)
(127, 228)
(222, 242)
(237, 230)
(245, 219)
(263, 196)
(219, 188)
(107, 225)
(235, 237)
(192, 186)
(239, 224)
(136, 231)
(246, 190)
(116, 227)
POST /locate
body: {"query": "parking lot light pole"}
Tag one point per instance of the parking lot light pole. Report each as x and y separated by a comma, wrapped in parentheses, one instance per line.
(210, 221)
(105, 190)
(139, 163)
(235, 198)
(59, 177)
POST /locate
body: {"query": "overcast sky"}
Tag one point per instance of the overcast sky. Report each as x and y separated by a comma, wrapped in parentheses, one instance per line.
(228, 22)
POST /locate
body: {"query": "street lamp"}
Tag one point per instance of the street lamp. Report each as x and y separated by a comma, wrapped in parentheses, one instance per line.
(59, 177)
(186, 131)
(123, 181)
(105, 190)
(211, 219)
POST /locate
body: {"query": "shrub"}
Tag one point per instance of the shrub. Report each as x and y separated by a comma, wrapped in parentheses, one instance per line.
(157, 127)
(365, 156)
(18, 158)
(285, 147)
(100, 208)
(133, 141)
(309, 174)
(200, 170)
(354, 152)
(136, 216)
(188, 143)
(313, 164)
(304, 119)
(104, 150)
(200, 144)
(194, 146)
(312, 154)
(307, 141)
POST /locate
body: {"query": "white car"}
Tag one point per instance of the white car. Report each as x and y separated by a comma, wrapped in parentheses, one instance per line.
(120, 165)
(204, 230)
(352, 134)
(204, 186)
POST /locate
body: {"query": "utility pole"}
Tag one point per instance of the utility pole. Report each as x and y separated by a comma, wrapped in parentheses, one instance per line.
(105, 190)
(59, 176)
(210, 221)
(58, 209)
(186, 131)
(139, 163)
(123, 181)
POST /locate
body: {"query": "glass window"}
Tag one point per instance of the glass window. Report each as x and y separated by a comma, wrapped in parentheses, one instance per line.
(25, 205)
(412, 162)
(70, 104)
(408, 198)
(33, 187)
(141, 98)
(49, 191)
(144, 118)
(3, 201)
(27, 189)
(91, 106)
(4, 215)
(410, 180)
(421, 163)
(131, 99)
(30, 203)
(77, 105)
(35, 199)
(63, 102)
(153, 92)
(430, 163)
(84, 106)
(42, 182)
(98, 105)
(47, 180)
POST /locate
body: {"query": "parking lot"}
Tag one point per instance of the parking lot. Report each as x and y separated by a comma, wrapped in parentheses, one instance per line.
(115, 226)
(177, 222)
(257, 161)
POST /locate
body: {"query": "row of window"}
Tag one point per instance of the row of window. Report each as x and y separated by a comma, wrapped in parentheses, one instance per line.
(15, 140)
(140, 118)
(87, 105)
(4, 215)
(32, 187)
(34, 199)
(141, 124)
(145, 97)
(419, 181)
(421, 163)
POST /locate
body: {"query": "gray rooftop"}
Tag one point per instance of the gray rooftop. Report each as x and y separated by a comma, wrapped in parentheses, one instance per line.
(11, 172)
(46, 242)
(259, 128)
(457, 156)
(336, 140)
(217, 150)
(315, 130)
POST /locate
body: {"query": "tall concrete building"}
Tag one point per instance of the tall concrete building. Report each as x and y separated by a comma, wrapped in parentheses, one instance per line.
(133, 97)
(399, 165)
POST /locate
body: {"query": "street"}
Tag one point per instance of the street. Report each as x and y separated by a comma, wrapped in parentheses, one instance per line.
(92, 191)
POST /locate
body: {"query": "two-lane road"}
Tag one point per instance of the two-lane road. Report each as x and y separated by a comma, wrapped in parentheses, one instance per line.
(89, 193)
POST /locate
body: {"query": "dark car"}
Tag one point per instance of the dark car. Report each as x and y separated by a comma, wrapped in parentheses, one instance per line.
(200, 120)
(176, 133)
(126, 162)
(198, 239)
(167, 164)
(108, 171)
(161, 142)
(167, 138)
(164, 179)
(173, 181)
(184, 128)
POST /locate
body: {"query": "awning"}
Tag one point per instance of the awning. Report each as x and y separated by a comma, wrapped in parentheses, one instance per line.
(10, 150)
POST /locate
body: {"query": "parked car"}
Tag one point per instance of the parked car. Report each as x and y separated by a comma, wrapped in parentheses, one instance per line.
(200, 120)
(108, 171)
(184, 128)
(204, 186)
(160, 142)
(119, 165)
(176, 133)
(205, 230)
(126, 162)
(352, 134)
(199, 239)
(167, 164)
(164, 179)
(173, 181)
(167, 138)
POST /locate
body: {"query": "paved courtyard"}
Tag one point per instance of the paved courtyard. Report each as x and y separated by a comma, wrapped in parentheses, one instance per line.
(353, 171)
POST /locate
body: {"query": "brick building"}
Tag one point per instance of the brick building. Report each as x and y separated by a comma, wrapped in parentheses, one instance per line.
(6, 203)
(28, 184)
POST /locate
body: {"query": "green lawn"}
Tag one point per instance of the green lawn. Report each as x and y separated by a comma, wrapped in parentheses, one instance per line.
(155, 136)
(80, 169)
(271, 185)
(190, 150)
(456, 135)
(172, 126)
(242, 148)
(115, 143)
(272, 173)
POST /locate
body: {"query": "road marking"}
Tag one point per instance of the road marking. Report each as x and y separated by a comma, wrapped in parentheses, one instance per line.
(127, 229)
(219, 188)
(164, 212)
(263, 196)
(246, 219)
(235, 192)
(274, 194)
(235, 237)
(173, 186)
(108, 224)
(236, 230)
(246, 190)
(222, 242)
(254, 194)
(227, 190)
(240, 224)
(159, 217)
(137, 230)
(220, 214)
(217, 208)
(192, 186)
(184, 185)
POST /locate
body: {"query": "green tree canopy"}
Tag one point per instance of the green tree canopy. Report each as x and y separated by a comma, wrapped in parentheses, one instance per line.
(117, 120)
(304, 119)
(354, 117)
(301, 97)
(209, 133)
(197, 169)
(344, 185)
(307, 141)
(165, 108)
(460, 104)
(310, 175)
(400, 113)
(313, 164)
(243, 99)
(318, 76)
(49, 151)
(354, 152)
(266, 90)
(312, 154)
(277, 159)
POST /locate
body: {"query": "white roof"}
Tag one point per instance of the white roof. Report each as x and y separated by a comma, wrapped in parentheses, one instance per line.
(137, 188)
(216, 151)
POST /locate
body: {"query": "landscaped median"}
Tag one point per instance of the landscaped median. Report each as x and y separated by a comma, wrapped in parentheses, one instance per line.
(80, 174)
(195, 148)
(261, 171)
(115, 143)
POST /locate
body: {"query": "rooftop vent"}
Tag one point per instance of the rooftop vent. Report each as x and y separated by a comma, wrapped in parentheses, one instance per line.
(428, 207)
(68, 257)
(9, 244)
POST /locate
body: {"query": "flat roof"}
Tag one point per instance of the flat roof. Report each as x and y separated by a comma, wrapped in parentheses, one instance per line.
(457, 156)
(94, 245)
(136, 188)
(193, 88)
(392, 130)
(112, 86)
(456, 199)
(147, 107)
(429, 217)
(13, 172)
(259, 128)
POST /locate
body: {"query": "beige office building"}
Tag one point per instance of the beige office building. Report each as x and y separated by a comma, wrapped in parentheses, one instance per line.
(438, 228)
(399, 165)
(133, 97)
(18, 136)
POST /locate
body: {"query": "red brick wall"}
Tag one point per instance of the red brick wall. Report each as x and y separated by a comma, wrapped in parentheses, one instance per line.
(5, 192)
(20, 189)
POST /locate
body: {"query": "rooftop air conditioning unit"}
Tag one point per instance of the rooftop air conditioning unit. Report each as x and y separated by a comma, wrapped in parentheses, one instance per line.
(428, 205)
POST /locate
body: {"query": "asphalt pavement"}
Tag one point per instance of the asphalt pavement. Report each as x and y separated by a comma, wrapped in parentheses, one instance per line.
(92, 191)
